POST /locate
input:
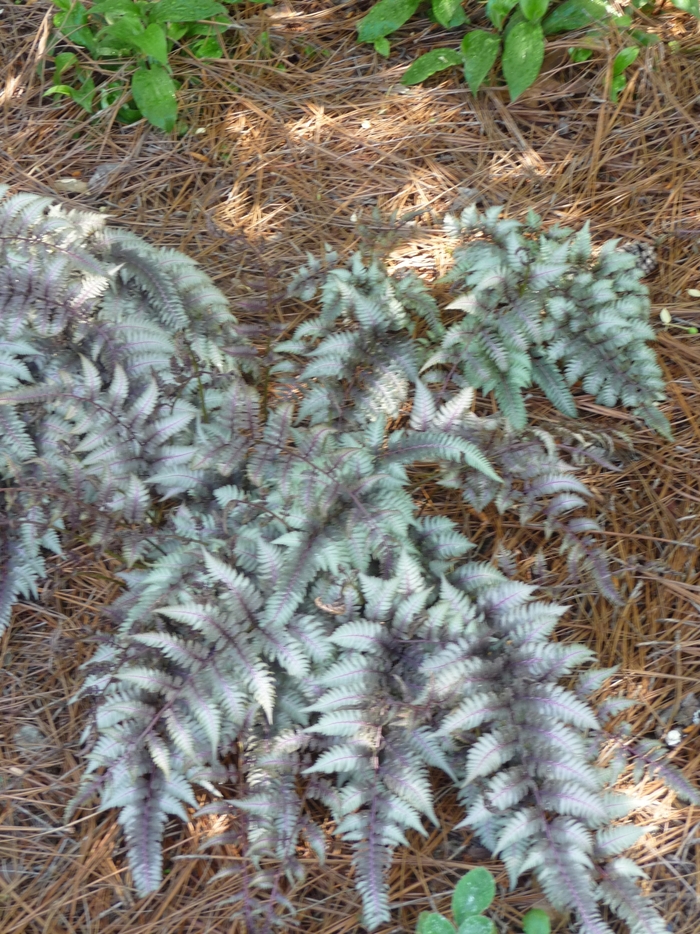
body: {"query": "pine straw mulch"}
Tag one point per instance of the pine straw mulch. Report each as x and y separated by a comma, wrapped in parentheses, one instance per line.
(291, 144)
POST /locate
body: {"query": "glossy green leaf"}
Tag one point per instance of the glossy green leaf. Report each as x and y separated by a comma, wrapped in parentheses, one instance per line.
(384, 18)
(534, 10)
(429, 64)
(688, 6)
(574, 14)
(624, 59)
(62, 62)
(498, 10)
(430, 922)
(153, 42)
(479, 50)
(154, 93)
(445, 10)
(473, 894)
(580, 55)
(523, 54)
(382, 47)
(184, 11)
(513, 20)
(459, 18)
(536, 921)
(477, 924)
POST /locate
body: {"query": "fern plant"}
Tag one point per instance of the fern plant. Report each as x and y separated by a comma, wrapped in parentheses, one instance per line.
(286, 597)
(541, 309)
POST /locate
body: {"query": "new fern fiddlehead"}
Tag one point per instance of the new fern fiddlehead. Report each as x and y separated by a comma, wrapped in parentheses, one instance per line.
(292, 600)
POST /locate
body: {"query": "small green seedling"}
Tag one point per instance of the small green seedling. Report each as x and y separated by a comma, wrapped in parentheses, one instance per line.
(667, 320)
(473, 894)
(622, 61)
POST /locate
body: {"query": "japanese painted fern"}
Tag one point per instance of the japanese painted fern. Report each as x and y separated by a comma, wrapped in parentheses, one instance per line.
(286, 596)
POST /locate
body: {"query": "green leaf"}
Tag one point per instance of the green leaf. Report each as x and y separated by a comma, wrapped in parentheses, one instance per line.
(73, 25)
(688, 6)
(384, 18)
(479, 50)
(430, 63)
(154, 93)
(644, 38)
(111, 8)
(62, 62)
(184, 11)
(523, 54)
(619, 83)
(59, 89)
(574, 14)
(534, 10)
(580, 55)
(477, 924)
(430, 922)
(459, 18)
(473, 894)
(498, 10)
(382, 47)
(445, 10)
(123, 33)
(624, 59)
(536, 921)
(85, 94)
(110, 93)
(206, 48)
(153, 42)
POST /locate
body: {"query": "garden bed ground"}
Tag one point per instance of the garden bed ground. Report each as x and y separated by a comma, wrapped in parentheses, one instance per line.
(290, 145)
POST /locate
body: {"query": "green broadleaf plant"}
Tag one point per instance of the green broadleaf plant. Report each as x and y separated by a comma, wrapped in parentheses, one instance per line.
(521, 29)
(473, 894)
(145, 33)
